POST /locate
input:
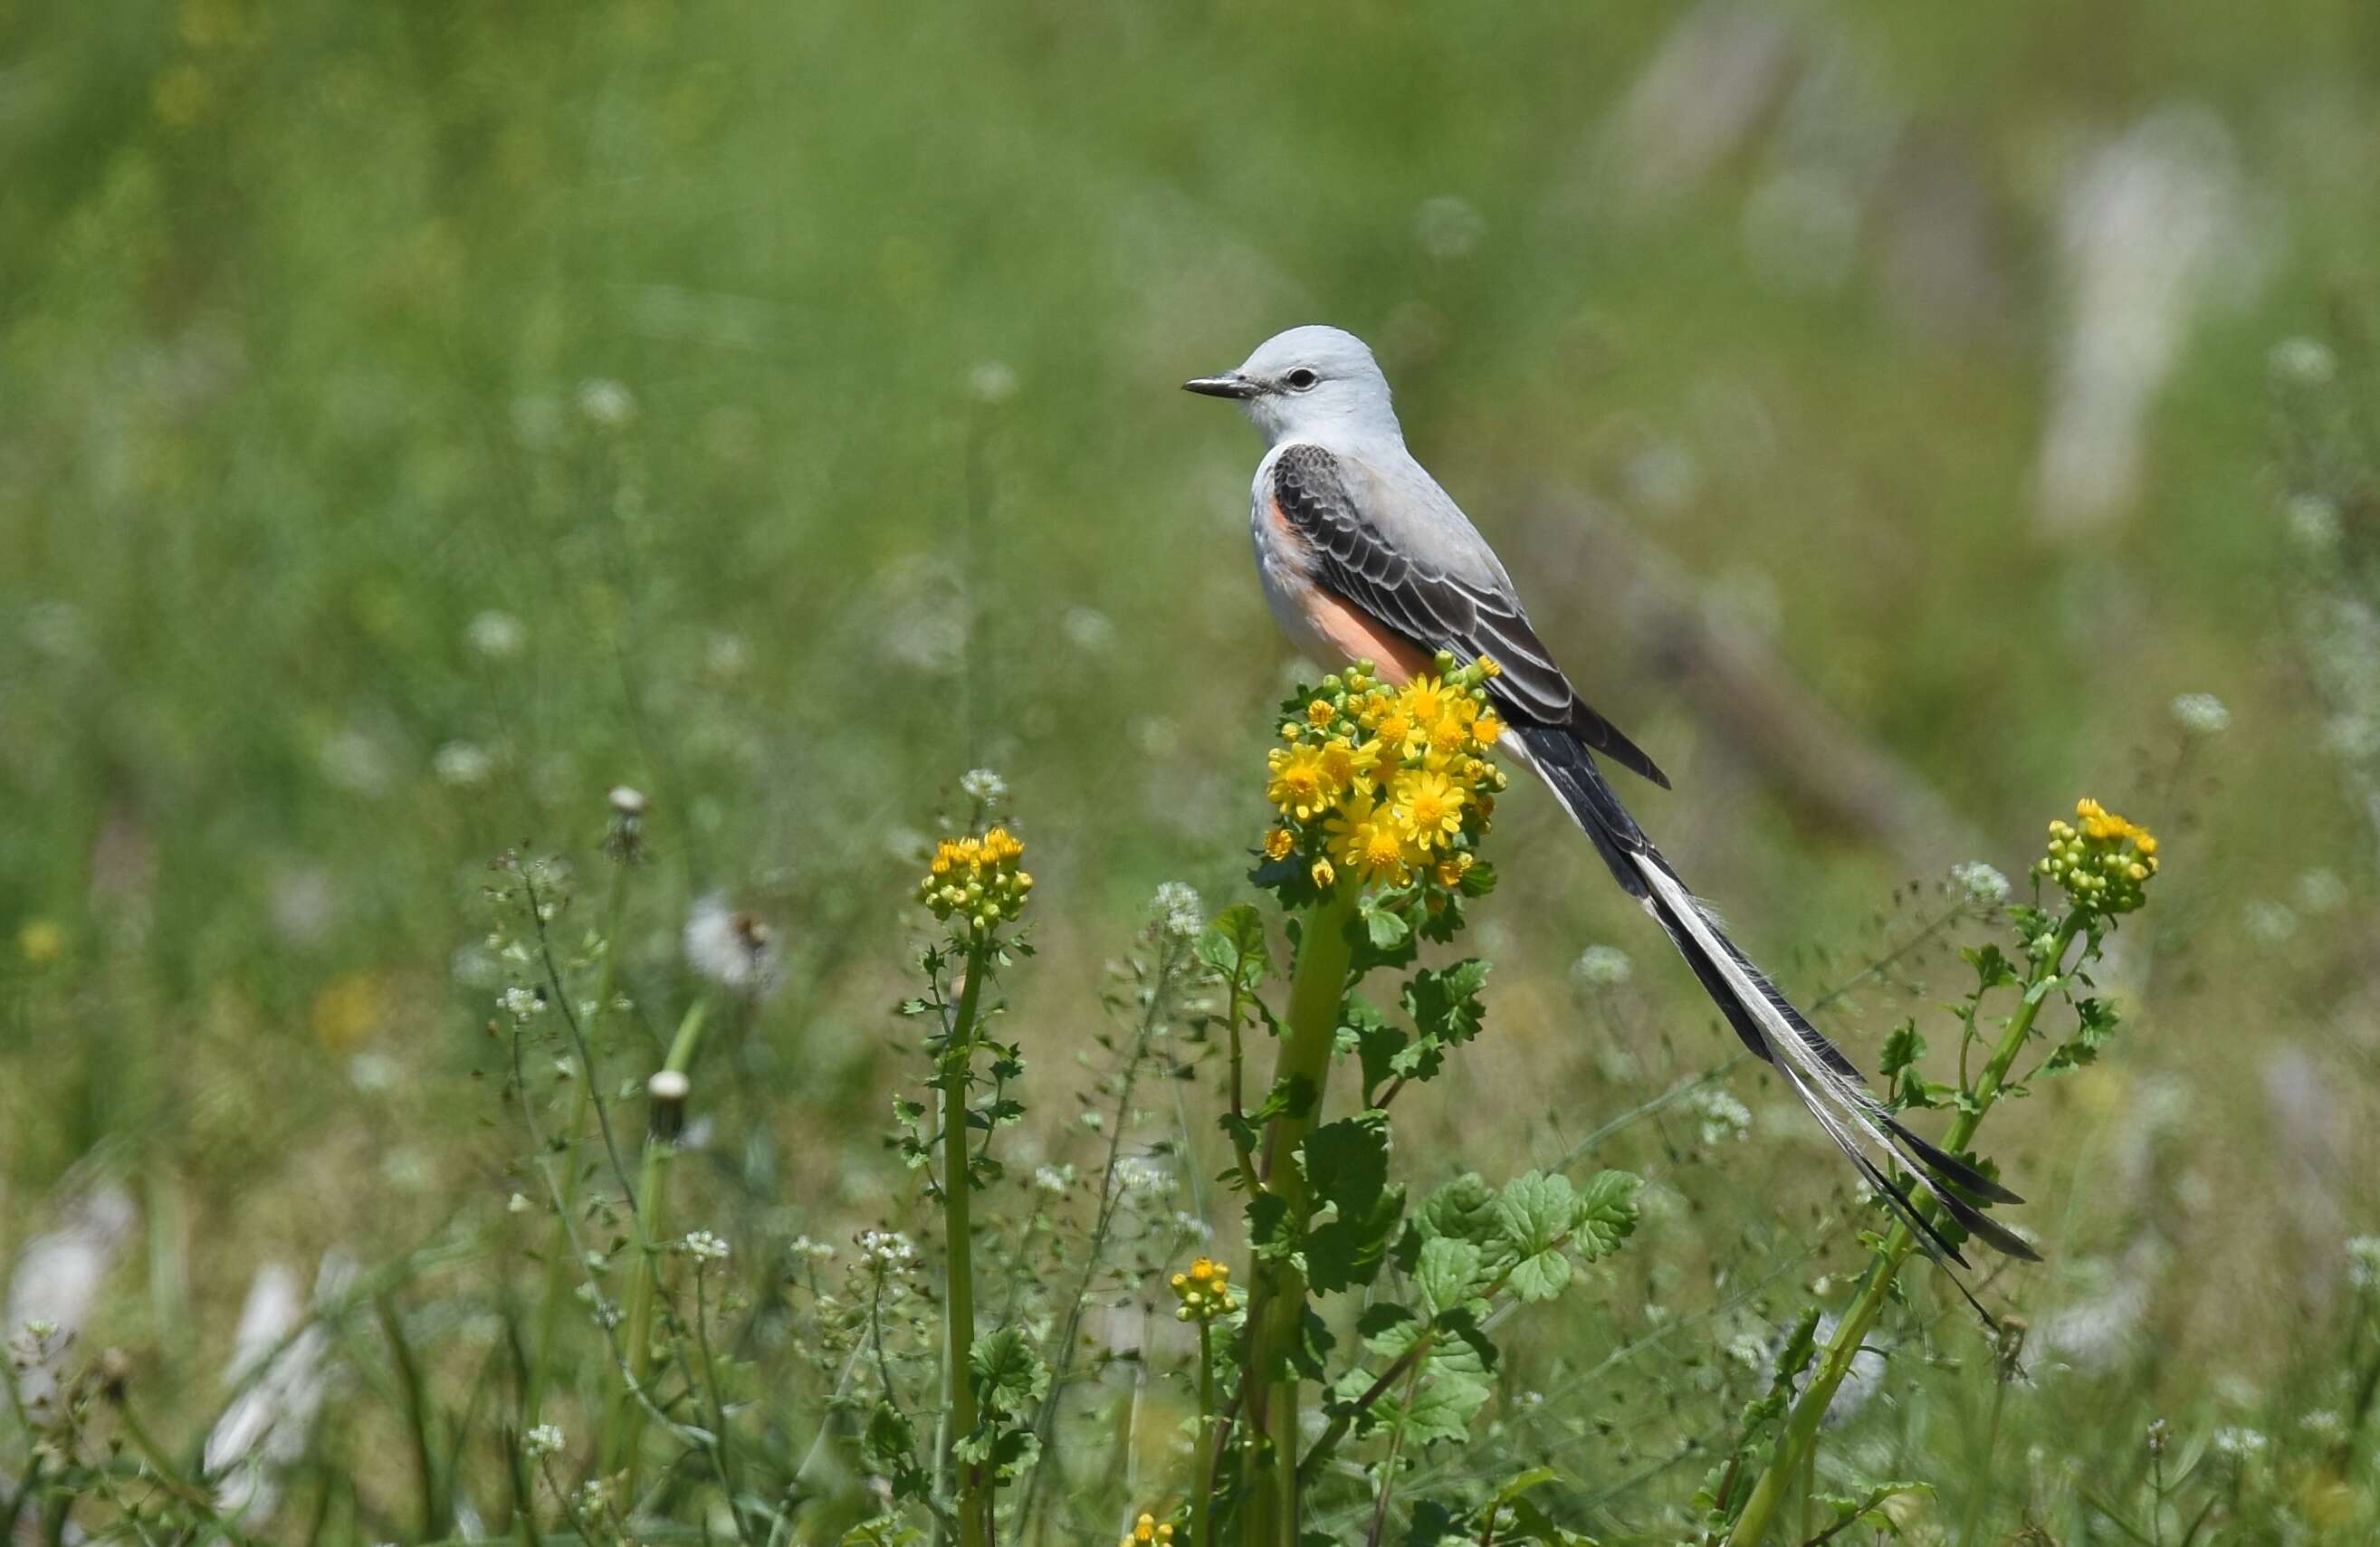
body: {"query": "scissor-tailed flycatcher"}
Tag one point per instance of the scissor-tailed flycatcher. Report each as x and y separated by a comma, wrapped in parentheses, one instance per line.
(1363, 555)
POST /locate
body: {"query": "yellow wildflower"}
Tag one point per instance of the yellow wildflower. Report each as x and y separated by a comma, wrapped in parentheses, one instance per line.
(1425, 698)
(1486, 728)
(1278, 843)
(41, 942)
(1365, 837)
(1301, 785)
(1348, 766)
(1320, 713)
(1429, 807)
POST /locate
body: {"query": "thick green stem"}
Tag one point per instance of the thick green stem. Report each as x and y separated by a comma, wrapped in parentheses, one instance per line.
(1204, 1457)
(625, 1431)
(958, 1328)
(1277, 1309)
(1800, 1436)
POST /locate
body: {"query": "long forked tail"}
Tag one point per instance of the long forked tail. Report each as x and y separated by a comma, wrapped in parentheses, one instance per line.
(1828, 1083)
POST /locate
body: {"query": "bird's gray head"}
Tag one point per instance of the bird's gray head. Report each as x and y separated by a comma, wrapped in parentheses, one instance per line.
(1309, 382)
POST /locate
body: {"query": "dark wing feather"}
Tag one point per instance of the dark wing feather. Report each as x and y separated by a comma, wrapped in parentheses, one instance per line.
(1436, 611)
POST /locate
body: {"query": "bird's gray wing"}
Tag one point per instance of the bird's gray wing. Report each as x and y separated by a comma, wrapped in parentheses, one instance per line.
(1359, 560)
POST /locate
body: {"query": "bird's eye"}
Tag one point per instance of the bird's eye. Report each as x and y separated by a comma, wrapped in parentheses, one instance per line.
(1301, 379)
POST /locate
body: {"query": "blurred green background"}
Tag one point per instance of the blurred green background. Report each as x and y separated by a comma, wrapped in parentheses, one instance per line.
(416, 419)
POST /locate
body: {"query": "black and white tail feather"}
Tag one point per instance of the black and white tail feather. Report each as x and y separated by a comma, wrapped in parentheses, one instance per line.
(1825, 1081)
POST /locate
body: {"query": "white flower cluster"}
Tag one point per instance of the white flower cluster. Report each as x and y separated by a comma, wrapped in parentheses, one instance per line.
(545, 1440)
(1178, 911)
(1601, 967)
(2202, 714)
(2240, 1442)
(521, 1003)
(2363, 1262)
(1138, 1174)
(888, 1248)
(1054, 1180)
(1724, 1118)
(811, 1251)
(704, 1247)
(1980, 882)
(984, 787)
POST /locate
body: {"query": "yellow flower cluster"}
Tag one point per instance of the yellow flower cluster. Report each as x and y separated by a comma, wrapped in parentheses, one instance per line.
(1204, 1291)
(976, 879)
(2100, 860)
(1147, 1532)
(1382, 783)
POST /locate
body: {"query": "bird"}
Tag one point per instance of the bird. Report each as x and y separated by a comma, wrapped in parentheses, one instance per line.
(1364, 557)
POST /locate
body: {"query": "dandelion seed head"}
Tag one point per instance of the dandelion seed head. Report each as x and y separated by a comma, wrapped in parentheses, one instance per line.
(669, 1084)
(732, 947)
(627, 804)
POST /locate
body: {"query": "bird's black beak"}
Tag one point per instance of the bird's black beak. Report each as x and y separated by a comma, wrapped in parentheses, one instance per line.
(1230, 384)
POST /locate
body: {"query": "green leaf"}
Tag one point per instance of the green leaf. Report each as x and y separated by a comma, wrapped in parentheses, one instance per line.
(1534, 1211)
(1376, 1041)
(1234, 946)
(1540, 1276)
(1444, 1001)
(1867, 1509)
(1385, 929)
(1993, 970)
(1446, 1272)
(1387, 1327)
(1346, 1167)
(1007, 1374)
(1606, 1214)
(1464, 1208)
(1272, 1235)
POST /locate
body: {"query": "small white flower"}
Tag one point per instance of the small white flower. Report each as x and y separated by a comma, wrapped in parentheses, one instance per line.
(517, 1203)
(497, 635)
(984, 787)
(1192, 1226)
(1601, 967)
(1139, 1173)
(463, 764)
(1054, 1180)
(1747, 1349)
(606, 402)
(546, 1439)
(1448, 227)
(2323, 1425)
(727, 655)
(811, 1251)
(2305, 361)
(1087, 629)
(732, 947)
(2268, 923)
(1981, 882)
(2313, 522)
(888, 1248)
(704, 1247)
(521, 1003)
(2202, 714)
(2363, 1262)
(1724, 1118)
(1177, 909)
(2238, 1440)
(2321, 891)
(373, 1072)
(992, 383)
